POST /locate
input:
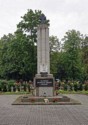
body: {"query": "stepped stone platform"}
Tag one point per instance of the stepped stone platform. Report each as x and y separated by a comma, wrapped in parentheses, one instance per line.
(55, 100)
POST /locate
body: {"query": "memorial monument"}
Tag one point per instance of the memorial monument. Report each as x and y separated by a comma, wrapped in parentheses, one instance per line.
(43, 81)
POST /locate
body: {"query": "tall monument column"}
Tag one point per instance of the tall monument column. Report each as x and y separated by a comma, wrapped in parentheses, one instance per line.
(43, 57)
(43, 81)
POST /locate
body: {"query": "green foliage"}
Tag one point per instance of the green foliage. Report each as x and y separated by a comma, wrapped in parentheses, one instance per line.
(86, 87)
(18, 52)
(11, 82)
(3, 85)
(72, 86)
(61, 66)
(73, 62)
(85, 57)
(54, 44)
(54, 62)
(29, 24)
(75, 86)
(54, 54)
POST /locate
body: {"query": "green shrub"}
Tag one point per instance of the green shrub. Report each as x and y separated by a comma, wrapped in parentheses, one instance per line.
(76, 86)
(3, 85)
(10, 84)
(65, 87)
(80, 87)
(71, 86)
(85, 87)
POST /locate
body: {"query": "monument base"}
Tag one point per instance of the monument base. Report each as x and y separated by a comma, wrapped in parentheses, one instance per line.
(44, 86)
(54, 100)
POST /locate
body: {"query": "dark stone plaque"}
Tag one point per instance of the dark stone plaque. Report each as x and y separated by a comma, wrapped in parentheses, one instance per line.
(44, 82)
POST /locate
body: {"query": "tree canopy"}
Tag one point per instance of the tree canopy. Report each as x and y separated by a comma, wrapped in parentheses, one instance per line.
(18, 52)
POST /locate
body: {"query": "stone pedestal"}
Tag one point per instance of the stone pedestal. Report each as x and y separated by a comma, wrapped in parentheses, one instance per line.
(44, 86)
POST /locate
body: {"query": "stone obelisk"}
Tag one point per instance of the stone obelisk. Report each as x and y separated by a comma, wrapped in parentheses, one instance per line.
(43, 81)
(43, 58)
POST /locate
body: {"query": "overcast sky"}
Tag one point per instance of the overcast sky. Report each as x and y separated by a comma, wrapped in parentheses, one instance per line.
(64, 15)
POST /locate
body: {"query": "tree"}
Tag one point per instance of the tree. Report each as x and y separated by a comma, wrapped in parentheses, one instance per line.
(61, 66)
(18, 52)
(54, 44)
(29, 24)
(72, 41)
(54, 53)
(4, 45)
(85, 56)
(16, 57)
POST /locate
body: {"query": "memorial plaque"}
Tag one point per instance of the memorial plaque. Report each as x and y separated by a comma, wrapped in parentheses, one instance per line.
(44, 82)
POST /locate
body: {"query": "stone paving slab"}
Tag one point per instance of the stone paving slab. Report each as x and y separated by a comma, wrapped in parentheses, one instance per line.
(43, 114)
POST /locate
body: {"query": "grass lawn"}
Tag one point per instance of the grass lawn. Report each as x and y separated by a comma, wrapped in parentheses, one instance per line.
(72, 92)
(14, 93)
(58, 91)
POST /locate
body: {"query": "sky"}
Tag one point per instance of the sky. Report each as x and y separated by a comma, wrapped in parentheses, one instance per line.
(64, 15)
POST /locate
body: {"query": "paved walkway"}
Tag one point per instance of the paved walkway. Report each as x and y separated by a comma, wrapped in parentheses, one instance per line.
(43, 114)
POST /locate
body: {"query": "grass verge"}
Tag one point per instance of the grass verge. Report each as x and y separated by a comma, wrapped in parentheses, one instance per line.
(72, 92)
(14, 93)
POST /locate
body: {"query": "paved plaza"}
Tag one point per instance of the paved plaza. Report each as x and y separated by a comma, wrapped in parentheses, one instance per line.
(43, 114)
